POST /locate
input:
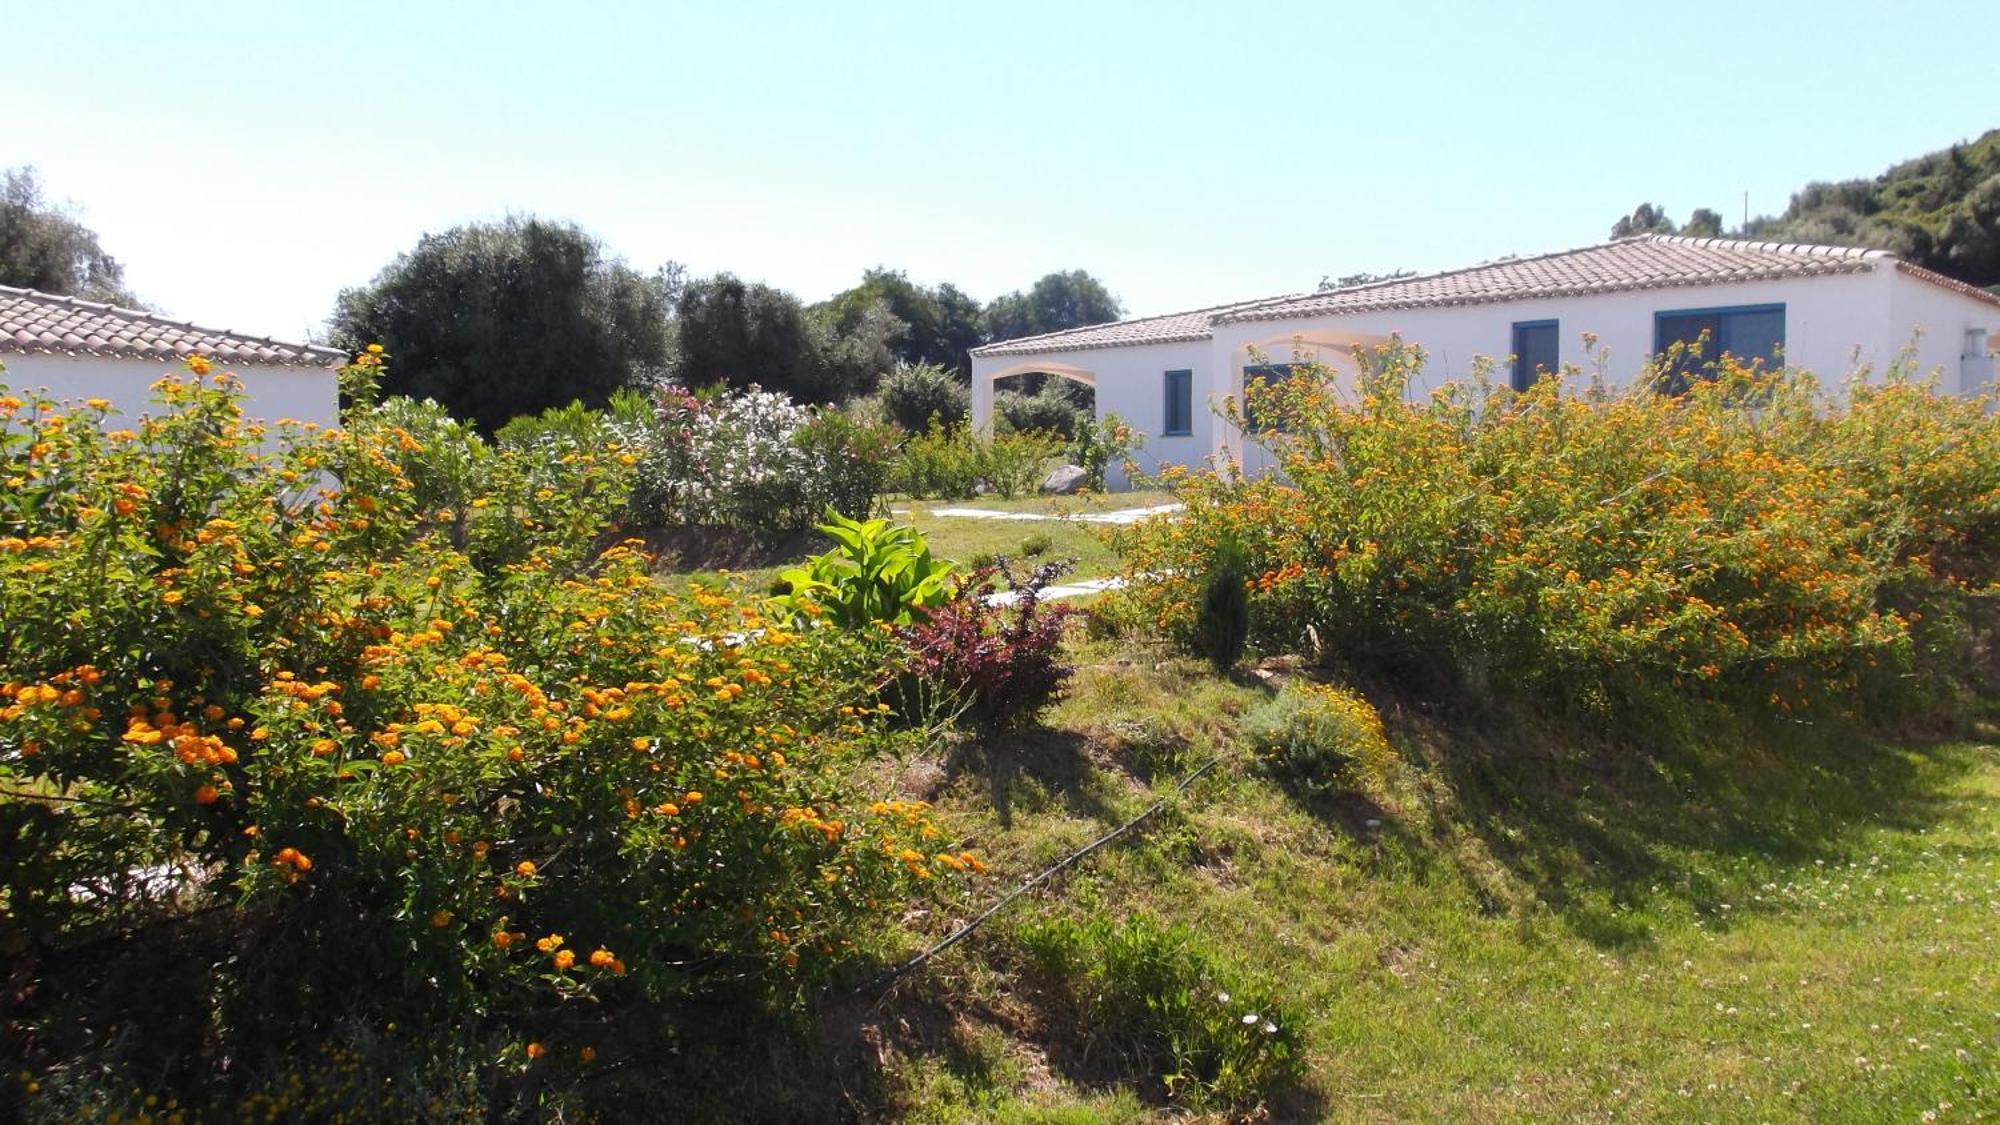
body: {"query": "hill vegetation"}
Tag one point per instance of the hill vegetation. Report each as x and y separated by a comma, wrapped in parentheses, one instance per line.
(1940, 210)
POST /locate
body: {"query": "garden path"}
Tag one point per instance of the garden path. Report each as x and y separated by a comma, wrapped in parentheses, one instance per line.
(1118, 516)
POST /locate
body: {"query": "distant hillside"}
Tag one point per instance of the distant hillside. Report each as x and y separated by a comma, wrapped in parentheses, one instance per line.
(1940, 210)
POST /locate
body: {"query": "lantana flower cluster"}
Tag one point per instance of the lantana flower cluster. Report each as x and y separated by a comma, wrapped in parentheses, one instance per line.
(265, 669)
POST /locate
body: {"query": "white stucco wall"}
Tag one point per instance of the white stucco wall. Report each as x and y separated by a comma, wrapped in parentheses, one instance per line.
(1945, 317)
(1131, 383)
(302, 394)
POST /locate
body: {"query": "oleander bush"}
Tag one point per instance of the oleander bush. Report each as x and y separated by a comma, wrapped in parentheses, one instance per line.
(370, 703)
(756, 461)
(1756, 541)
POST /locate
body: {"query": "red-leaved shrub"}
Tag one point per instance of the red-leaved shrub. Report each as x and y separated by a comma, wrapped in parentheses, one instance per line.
(994, 655)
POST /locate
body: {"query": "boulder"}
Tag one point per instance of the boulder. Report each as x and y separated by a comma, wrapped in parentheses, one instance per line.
(1065, 480)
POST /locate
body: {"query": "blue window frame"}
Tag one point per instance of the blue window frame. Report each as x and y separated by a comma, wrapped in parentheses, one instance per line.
(1748, 332)
(1537, 348)
(1180, 404)
(1264, 374)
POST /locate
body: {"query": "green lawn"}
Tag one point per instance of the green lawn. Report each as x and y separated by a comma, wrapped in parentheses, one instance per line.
(1782, 924)
(1022, 541)
(967, 541)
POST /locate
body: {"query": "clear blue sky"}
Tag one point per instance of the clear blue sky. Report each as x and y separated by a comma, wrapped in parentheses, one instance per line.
(247, 161)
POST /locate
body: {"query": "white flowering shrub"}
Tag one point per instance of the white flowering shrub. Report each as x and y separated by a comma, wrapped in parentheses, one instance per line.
(758, 461)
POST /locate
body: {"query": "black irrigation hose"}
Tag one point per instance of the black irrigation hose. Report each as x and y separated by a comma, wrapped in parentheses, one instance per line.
(958, 935)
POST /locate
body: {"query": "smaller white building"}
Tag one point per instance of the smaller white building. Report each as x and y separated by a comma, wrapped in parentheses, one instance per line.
(71, 349)
(1823, 308)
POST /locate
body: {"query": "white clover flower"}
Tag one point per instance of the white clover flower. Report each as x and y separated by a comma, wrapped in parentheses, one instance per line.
(1270, 1028)
(1249, 1018)
(1222, 998)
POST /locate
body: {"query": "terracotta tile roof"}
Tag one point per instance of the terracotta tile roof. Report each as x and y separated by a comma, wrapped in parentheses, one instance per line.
(33, 321)
(1166, 329)
(1951, 283)
(1645, 262)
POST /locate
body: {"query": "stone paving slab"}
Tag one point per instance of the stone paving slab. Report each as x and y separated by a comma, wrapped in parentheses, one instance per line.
(1057, 593)
(1119, 516)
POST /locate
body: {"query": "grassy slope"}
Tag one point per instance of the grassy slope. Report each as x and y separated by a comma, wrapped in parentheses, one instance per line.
(1740, 933)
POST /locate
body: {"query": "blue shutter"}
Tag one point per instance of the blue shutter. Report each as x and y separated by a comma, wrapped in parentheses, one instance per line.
(1180, 403)
(1537, 348)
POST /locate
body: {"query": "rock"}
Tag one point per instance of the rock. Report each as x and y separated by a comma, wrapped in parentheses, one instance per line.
(1065, 480)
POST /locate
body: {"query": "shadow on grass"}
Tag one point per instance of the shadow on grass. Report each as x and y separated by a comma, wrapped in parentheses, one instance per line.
(1602, 830)
(1038, 761)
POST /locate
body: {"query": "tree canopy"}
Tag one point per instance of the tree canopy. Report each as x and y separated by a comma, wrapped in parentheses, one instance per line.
(935, 325)
(1058, 301)
(1646, 218)
(495, 320)
(44, 246)
(741, 334)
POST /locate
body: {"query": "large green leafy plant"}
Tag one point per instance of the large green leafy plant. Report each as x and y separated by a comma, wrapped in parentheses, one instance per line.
(875, 572)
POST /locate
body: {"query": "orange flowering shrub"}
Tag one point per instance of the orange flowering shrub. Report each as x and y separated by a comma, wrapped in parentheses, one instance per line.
(381, 697)
(1752, 540)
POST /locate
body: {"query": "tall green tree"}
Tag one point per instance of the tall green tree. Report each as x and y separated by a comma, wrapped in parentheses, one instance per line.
(1646, 218)
(496, 320)
(935, 325)
(44, 246)
(1058, 301)
(741, 334)
(1704, 223)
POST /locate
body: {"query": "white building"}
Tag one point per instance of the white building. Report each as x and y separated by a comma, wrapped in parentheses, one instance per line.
(71, 349)
(1827, 308)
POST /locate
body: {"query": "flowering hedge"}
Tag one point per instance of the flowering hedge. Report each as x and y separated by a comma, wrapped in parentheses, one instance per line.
(268, 671)
(1754, 540)
(757, 461)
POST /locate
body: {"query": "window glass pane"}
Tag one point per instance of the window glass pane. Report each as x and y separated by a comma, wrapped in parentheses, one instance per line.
(1180, 402)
